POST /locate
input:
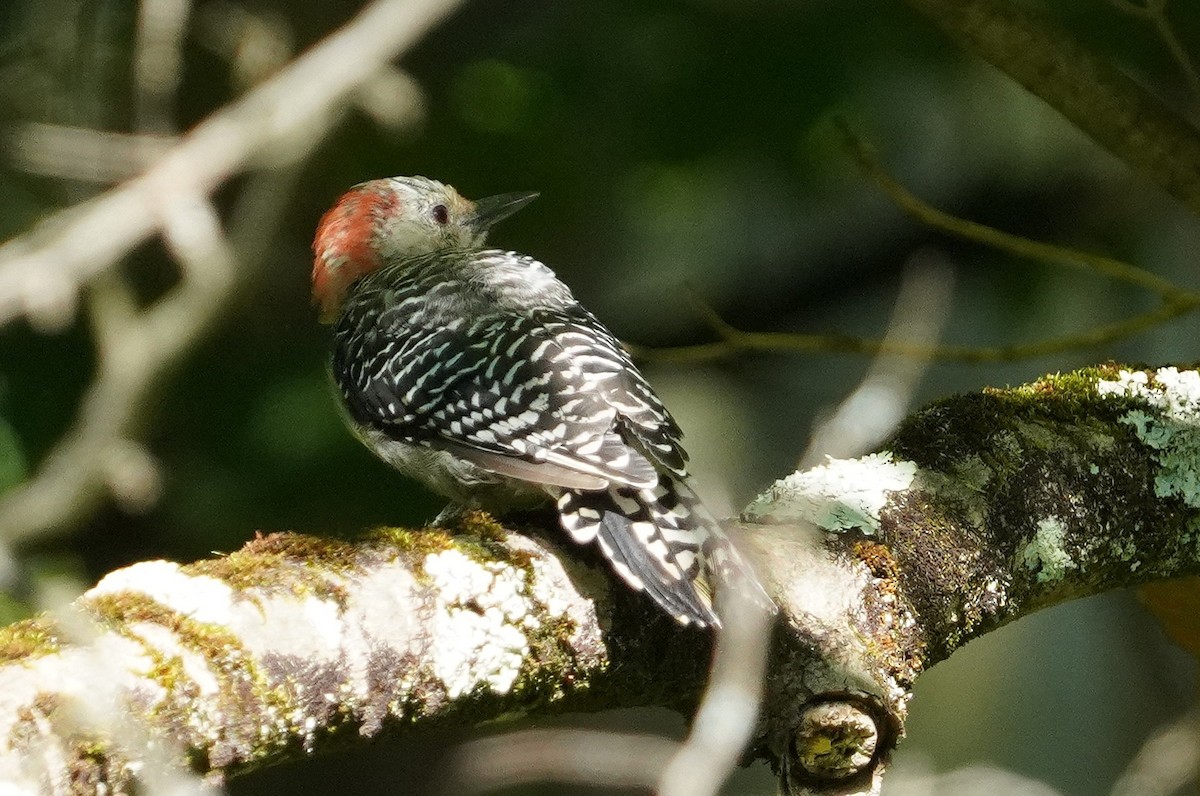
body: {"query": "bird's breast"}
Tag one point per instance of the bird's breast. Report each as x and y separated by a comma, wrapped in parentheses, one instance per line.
(459, 480)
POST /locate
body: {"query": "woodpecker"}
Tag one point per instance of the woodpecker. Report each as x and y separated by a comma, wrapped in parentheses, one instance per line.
(475, 371)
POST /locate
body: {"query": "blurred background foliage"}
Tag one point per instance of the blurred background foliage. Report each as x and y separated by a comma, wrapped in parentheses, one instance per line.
(679, 145)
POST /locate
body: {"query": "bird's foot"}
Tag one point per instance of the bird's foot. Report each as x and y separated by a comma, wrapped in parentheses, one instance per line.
(467, 518)
(452, 516)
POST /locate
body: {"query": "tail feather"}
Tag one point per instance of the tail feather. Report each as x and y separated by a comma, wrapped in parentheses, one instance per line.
(662, 541)
(629, 558)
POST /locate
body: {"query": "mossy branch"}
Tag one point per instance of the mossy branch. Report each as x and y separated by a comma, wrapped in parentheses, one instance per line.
(1092, 93)
(295, 643)
(982, 509)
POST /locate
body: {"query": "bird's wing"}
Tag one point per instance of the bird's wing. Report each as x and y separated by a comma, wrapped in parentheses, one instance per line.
(645, 422)
(547, 396)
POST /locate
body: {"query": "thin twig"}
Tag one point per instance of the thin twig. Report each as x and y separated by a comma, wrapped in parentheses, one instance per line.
(729, 709)
(136, 350)
(568, 756)
(866, 416)
(734, 341)
(1176, 301)
(1003, 241)
(79, 153)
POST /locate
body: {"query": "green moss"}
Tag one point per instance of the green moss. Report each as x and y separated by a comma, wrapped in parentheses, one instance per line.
(29, 638)
(168, 672)
(415, 542)
(482, 525)
(476, 534)
(291, 562)
(1010, 423)
(333, 553)
(546, 670)
(1059, 396)
(227, 659)
(118, 610)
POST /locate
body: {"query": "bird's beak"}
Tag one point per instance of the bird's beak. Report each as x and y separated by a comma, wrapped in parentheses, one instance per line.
(492, 209)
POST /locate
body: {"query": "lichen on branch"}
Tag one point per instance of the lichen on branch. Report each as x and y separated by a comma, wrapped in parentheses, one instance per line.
(293, 640)
(981, 509)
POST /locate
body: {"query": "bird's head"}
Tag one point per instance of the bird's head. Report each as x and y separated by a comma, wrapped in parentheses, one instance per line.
(381, 221)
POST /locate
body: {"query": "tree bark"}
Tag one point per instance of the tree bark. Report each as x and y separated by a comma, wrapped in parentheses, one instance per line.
(983, 508)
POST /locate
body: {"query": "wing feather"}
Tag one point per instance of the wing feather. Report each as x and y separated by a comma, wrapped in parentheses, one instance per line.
(547, 396)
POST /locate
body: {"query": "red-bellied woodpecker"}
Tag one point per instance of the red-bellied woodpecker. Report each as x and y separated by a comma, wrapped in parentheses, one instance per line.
(475, 371)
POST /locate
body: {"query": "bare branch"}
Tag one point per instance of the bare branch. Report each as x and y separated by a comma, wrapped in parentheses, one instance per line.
(879, 403)
(564, 755)
(275, 122)
(81, 154)
(728, 714)
(157, 62)
(136, 350)
(99, 455)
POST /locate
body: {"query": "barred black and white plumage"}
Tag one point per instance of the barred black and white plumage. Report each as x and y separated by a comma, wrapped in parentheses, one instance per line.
(475, 371)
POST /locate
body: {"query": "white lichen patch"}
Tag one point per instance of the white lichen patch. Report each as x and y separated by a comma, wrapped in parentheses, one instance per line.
(1128, 383)
(553, 590)
(221, 624)
(167, 645)
(476, 628)
(1045, 551)
(89, 682)
(1126, 550)
(198, 597)
(1171, 426)
(308, 627)
(836, 496)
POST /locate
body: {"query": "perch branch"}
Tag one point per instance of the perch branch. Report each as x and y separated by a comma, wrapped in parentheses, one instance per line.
(983, 508)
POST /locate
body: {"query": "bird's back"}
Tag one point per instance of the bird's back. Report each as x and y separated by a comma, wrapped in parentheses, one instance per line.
(475, 371)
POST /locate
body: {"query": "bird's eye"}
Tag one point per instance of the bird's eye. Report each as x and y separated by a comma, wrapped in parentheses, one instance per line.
(441, 214)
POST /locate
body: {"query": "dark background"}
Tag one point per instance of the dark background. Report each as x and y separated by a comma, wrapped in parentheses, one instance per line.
(678, 145)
